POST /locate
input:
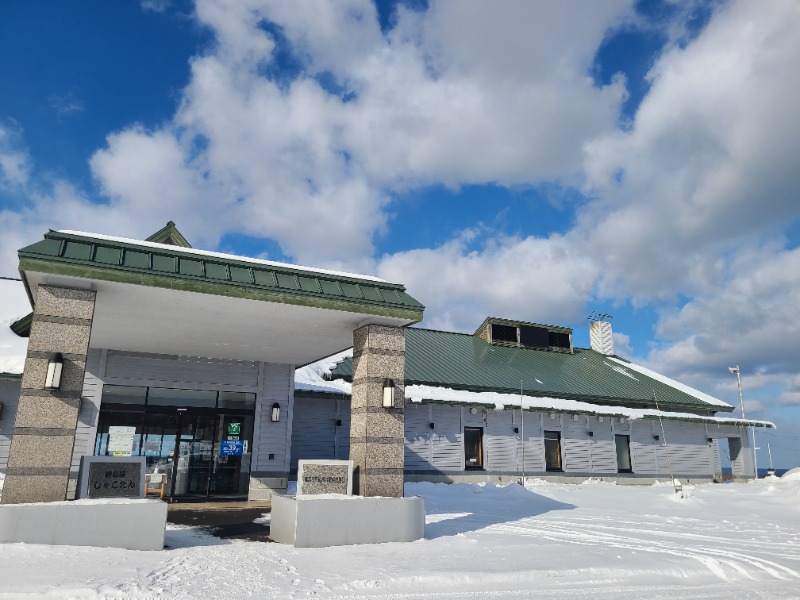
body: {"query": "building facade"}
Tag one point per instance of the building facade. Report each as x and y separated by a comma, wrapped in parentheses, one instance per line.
(190, 359)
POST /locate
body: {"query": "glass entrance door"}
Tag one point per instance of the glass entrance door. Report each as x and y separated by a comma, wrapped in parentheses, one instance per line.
(194, 454)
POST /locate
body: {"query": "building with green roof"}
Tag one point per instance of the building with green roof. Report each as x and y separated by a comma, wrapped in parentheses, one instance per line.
(582, 412)
(213, 368)
(185, 357)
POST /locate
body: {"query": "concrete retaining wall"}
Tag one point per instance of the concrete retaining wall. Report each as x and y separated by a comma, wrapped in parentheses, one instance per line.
(117, 523)
(338, 520)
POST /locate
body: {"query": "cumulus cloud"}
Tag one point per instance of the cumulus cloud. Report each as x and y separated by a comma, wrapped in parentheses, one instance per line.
(708, 162)
(312, 162)
(684, 205)
(538, 279)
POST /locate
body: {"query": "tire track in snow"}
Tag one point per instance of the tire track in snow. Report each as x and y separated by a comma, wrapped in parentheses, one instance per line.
(712, 558)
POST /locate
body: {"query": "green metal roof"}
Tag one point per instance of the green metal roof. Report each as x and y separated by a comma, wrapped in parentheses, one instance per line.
(149, 264)
(22, 327)
(169, 234)
(463, 361)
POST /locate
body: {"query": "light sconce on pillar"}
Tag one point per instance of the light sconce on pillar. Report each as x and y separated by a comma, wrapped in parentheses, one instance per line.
(431, 425)
(388, 393)
(276, 412)
(54, 366)
(656, 437)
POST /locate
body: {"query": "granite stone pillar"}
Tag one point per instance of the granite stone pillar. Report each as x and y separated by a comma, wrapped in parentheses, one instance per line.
(44, 429)
(376, 433)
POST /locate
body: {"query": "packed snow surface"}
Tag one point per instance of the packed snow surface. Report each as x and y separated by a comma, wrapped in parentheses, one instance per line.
(597, 540)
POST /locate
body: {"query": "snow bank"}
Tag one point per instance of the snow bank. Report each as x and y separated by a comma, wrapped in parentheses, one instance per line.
(790, 475)
(417, 393)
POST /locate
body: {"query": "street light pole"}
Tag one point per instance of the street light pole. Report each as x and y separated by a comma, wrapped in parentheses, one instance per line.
(741, 407)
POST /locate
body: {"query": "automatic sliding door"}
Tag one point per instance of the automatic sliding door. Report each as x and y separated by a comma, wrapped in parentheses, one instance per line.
(195, 448)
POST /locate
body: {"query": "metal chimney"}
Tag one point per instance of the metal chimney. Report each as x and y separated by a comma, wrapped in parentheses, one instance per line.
(600, 336)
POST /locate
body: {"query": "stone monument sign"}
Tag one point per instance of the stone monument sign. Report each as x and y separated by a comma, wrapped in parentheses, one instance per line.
(112, 477)
(325, 477)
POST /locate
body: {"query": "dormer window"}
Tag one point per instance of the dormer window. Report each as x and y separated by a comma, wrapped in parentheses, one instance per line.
(526, 335)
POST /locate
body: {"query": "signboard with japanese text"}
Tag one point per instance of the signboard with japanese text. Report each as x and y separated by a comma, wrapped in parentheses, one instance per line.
(231, 448)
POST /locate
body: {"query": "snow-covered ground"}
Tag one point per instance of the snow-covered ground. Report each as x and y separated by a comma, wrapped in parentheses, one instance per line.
(482, 541)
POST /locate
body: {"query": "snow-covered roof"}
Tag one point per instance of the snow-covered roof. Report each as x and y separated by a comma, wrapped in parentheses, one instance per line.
(312, 377)
(670, 382)
(14, 306)
(418, 393)
(221, 255)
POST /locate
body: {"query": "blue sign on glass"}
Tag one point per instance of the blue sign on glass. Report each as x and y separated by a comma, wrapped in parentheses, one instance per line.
(231, 447)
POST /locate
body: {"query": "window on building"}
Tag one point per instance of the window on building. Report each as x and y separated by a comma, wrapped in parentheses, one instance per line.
(552, 450)
(473, 447)
(504, 333)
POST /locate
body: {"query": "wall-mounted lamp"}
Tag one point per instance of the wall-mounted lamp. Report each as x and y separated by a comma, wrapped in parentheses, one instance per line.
(516, 429)
(1, 411)
(388, 393)
(276, 412)
(599, 419)
(54, 366)
(622, 419)
(338, 422)
(473, 411)
(656, 437)
(430, 425)
(574, 417)
(591, 433)
(553, 416)
(710, 440)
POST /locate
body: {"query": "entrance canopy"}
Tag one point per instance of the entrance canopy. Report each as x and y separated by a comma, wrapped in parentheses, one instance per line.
(162, 298)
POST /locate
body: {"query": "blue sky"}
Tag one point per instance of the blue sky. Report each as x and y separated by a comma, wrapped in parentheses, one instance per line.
(537, 161)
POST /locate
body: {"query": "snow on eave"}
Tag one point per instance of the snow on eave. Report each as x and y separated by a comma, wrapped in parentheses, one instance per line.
(14, 306)
(703, 397)
(312, 377)
(500, 401)
(222, 255)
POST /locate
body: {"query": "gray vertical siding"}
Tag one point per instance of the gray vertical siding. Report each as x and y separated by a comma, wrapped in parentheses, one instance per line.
(418, 435)
(499, 440)
(9, 397)
(315, 434)
(273, 438)
(602, 449)
(86, 430)
(441, 448)
(576, 445)
(682, 449)
(181, 371)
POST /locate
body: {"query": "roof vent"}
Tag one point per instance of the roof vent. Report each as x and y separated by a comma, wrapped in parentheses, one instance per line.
(600, 335)
(518, 334)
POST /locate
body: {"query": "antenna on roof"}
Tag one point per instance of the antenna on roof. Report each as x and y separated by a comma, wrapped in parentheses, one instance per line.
(594, 317)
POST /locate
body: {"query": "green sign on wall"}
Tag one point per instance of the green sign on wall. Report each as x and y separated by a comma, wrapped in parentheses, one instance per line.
(234, 428)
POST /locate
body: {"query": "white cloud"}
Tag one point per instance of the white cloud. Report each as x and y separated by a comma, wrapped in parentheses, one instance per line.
(14, 160)
(709, 163)
(687, 202)
(312, 169)
(536, 279)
